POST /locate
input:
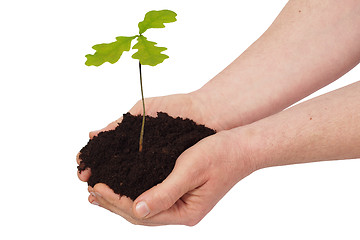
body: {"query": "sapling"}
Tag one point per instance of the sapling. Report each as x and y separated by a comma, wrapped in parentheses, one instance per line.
(147, 52)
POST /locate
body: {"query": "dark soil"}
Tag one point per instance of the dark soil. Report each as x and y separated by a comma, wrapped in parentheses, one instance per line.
(114, 157)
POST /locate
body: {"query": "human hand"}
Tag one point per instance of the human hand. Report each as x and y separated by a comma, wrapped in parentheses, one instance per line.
(197, 182)
(178, 105)
(202, 175)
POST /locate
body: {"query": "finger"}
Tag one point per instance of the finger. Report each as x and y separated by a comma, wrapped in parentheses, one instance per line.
(137, 108)
(158, 199)
(92, 200)
(102, 195)
(120, 205)
(188, 210)
(84, 175)
(163, 196)
(78, 160)
(109, 127)
(98, 200)
(152, 107)
(123, 203)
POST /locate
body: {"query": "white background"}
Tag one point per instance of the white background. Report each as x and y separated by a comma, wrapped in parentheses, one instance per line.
(50, 101)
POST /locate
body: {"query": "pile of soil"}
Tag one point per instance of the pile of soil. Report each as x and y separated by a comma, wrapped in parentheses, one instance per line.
(114, 157)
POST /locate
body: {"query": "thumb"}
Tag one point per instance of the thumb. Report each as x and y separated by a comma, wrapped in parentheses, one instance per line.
(110, 126)
(163, 196)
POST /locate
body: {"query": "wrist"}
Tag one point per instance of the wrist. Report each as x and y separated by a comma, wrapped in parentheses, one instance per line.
(218, 101)
(252, 146)
(211, 107)
(241, 150)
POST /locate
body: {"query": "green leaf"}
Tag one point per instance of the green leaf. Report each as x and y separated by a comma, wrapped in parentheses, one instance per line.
(148, 53)
(156, 19)
(109, 52)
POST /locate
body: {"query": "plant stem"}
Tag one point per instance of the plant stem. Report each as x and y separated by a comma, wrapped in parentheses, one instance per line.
(143, 119)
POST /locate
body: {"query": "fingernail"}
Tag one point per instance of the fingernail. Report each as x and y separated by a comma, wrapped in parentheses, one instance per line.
(142, 209)
(95, 203)
(95, 194)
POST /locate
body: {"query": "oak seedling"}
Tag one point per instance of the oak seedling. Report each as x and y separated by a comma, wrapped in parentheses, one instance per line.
(147, 52)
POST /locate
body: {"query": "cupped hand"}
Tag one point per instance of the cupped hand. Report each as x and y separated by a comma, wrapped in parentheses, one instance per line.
(201, 177)
(178, 105)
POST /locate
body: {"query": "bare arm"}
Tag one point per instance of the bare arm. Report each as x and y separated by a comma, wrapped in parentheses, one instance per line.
(324, 128)
(310, 44)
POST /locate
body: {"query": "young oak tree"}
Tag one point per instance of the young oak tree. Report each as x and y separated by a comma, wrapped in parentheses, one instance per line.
(147, 52)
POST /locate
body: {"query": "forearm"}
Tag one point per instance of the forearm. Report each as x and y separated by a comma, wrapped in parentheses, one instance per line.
(309, 45)
(324, 128)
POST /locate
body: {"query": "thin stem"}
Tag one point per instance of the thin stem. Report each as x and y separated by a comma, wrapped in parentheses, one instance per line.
(143, 119)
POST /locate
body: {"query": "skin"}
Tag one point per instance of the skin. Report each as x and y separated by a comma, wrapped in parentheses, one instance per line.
(309, 45)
